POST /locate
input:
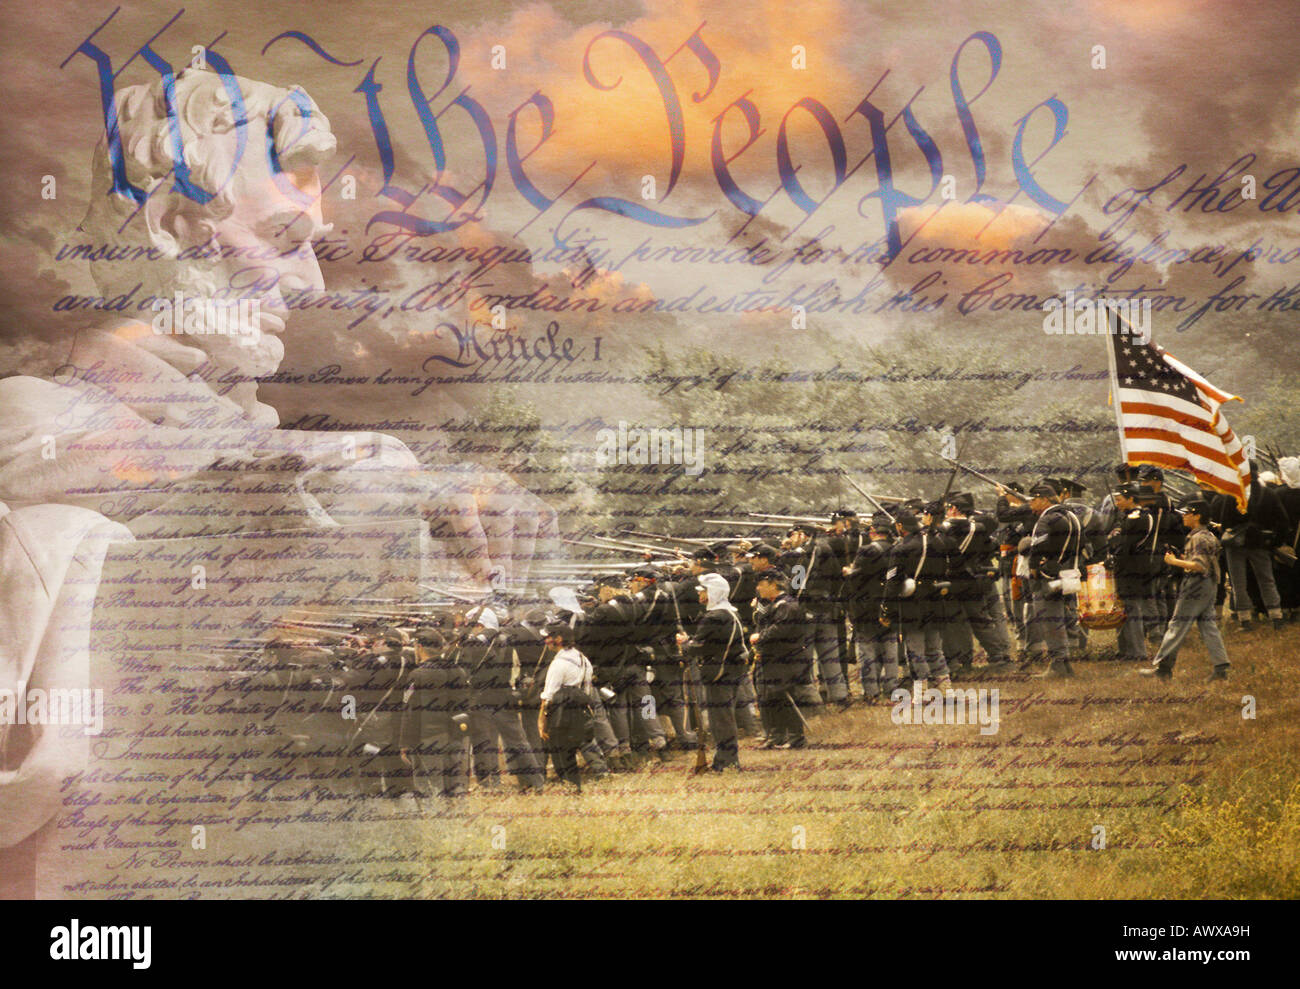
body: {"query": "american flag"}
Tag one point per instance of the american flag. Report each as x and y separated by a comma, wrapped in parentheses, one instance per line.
(1170, 416)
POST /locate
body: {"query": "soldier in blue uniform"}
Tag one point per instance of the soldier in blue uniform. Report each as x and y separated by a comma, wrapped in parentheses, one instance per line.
(781, 650)
(1129, 558)
(718, 641)
(1055, 556)
(972, 571)
(915, 585)
(864, 581)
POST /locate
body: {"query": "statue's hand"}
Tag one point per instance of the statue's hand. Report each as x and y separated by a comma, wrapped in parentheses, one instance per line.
(240, 493)
(502, 530)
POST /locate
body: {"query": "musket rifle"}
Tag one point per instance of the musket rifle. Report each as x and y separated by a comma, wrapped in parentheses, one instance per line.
(632, 544)
(958, 465)
(875, 504)
(750, 523)
(671, 539)
(623, 551)
(948, 487)
(466, 598)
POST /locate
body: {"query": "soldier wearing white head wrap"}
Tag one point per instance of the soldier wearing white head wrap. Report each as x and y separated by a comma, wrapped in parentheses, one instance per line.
(719, 643)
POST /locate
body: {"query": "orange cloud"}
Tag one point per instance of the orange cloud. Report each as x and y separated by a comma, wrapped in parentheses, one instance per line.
(624, 130)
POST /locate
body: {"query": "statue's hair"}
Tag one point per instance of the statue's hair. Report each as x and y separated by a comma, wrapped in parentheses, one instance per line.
(209, 136)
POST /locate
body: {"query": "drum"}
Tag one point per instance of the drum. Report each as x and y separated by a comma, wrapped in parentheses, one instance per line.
(1099, 605)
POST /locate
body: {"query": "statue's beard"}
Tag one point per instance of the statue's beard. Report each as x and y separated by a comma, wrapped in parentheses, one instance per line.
(228, 354)
(230, 357)
(259, 358)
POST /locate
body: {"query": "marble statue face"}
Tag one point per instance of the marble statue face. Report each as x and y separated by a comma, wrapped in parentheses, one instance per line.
(252, 241)
(270, 233)
(266, 253)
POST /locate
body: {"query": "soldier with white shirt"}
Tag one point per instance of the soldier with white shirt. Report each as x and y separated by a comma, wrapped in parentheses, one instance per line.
(565, 719)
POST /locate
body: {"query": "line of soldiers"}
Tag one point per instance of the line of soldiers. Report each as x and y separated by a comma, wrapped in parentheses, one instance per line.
(1141, 536)
(761, 638)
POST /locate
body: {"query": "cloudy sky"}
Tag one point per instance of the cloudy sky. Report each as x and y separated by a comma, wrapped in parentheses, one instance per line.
(1190, 85)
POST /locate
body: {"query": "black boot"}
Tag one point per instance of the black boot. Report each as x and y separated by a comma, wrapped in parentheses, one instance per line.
(1157, 672)
(1059, 669)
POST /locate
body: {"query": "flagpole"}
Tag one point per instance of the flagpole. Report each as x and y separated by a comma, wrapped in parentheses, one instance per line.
(1112, 327)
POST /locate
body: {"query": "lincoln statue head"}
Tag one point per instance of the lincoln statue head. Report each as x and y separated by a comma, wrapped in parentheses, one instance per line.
(215, 176)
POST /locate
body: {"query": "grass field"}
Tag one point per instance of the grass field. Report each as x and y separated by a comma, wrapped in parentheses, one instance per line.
(1195, 801)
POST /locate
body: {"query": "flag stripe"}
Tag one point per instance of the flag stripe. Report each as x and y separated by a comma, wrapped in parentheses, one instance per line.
(1138, 416)
(1175, 438)
(1193, 460)
(1172, 417)
(1167, 403)
(1161, 413)
(1215, 481)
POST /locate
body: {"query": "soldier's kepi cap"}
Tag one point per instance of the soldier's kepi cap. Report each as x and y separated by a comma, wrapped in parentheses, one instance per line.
(704, 553)
(771, 576)
(645, 573)
(559, 630)
(844, 513)
(963, 501)
(765, 551)
(882, 522)
(1043, 490)
(907, 520)
(1150, 472)
(933, 508)
(1068, 486)
(610, 580)
(1197, 506)
(805, 527)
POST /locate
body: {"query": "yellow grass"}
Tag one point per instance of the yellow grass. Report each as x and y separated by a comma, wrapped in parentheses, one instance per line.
(1194, 799)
